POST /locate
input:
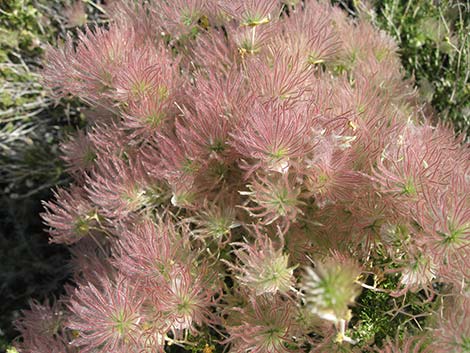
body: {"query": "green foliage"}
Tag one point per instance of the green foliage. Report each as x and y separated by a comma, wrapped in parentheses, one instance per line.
(21, 34)
(380, 315)
(434, 45)
(20, 28)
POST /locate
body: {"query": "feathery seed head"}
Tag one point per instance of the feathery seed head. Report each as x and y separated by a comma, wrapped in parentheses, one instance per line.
(331, 287)
(264, 267)
(106, 317)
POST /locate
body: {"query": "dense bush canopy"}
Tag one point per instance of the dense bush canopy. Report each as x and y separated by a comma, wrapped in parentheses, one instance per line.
(258, 177)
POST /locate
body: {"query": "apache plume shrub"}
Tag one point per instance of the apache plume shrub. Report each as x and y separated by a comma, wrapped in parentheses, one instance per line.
(259, 176)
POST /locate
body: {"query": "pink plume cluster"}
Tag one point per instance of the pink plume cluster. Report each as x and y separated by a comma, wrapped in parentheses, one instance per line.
(249, 165)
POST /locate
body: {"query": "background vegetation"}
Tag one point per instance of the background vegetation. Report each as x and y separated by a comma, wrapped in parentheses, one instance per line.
(31, 127)
(434, 41)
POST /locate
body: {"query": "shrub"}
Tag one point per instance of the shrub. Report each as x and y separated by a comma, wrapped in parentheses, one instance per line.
(258, 177)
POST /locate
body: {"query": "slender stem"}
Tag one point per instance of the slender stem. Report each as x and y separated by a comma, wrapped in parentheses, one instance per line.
(253, 36)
